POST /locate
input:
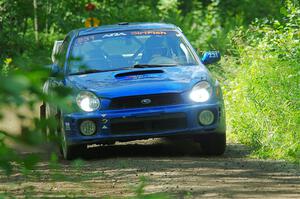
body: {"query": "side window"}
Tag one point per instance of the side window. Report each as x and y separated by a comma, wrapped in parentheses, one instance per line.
(63, 52)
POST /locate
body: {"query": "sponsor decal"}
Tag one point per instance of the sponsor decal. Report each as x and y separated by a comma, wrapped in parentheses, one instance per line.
(116, 34)
(81, 40)
(149, 33)
(104, 127)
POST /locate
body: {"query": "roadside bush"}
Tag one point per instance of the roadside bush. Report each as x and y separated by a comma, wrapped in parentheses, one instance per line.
(263, 90)
(18, 84)
(20, 95)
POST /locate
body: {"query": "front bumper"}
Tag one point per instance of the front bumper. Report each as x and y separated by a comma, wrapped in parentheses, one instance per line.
(154, 122)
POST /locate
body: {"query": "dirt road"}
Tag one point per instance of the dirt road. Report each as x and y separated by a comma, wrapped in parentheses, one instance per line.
(173, 168)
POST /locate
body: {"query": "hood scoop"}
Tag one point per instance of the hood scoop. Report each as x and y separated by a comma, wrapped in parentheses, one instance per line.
(141, 74)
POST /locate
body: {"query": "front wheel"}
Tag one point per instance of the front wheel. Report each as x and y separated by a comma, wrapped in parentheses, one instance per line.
(70, 152)
(212, 144)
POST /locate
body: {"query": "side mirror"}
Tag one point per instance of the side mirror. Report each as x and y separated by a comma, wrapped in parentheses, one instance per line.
(211, 57)
(56, 47)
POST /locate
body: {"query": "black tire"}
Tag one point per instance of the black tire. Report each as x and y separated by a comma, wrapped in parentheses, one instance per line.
(43, 111)
(43, 117)
(72, 152)
(69, 152)
(212, 144)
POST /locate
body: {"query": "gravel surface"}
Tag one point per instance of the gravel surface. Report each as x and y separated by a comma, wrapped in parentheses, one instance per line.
(176, 168)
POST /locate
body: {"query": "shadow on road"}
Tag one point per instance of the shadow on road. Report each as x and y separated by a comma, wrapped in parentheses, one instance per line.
(158, 148)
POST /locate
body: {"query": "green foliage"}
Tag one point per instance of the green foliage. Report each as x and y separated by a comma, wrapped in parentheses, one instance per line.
(202, 26)
(205, 22)
(22, 91)
(13, 26)
(263, 92)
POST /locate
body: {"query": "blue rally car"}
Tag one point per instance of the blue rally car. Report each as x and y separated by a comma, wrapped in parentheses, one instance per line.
(135, 81)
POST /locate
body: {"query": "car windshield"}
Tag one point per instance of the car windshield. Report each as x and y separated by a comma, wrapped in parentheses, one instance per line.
(123, 50)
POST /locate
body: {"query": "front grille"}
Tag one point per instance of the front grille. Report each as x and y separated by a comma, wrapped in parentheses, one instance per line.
(136, 101)
(161, 123)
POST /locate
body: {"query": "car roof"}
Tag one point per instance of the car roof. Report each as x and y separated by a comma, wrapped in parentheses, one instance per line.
(125, 26)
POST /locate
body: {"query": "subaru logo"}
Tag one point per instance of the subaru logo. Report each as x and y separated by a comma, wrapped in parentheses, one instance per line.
(146, 101)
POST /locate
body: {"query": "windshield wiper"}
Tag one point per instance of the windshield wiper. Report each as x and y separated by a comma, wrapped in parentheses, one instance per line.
(91, 71)
(87, 72)
(153, 65)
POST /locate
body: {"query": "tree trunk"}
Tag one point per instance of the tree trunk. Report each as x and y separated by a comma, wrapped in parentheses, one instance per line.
(36, 27)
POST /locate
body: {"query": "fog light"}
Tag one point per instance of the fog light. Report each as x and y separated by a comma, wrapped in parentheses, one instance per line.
(206, 117)
(88, 127)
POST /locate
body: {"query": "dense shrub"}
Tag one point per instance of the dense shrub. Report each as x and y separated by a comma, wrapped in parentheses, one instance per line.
(263, 90)
(20, 96)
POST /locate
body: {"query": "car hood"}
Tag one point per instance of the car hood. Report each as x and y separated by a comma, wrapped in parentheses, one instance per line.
(139, 81)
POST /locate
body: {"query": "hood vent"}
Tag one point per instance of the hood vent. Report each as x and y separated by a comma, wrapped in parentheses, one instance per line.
(136, 73)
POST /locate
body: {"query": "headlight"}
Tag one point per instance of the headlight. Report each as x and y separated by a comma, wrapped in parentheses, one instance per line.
(201, 92)
(87, 101)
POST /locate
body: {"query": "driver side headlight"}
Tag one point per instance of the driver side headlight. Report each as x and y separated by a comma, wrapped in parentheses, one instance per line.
(201, 92)
(87, 101)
